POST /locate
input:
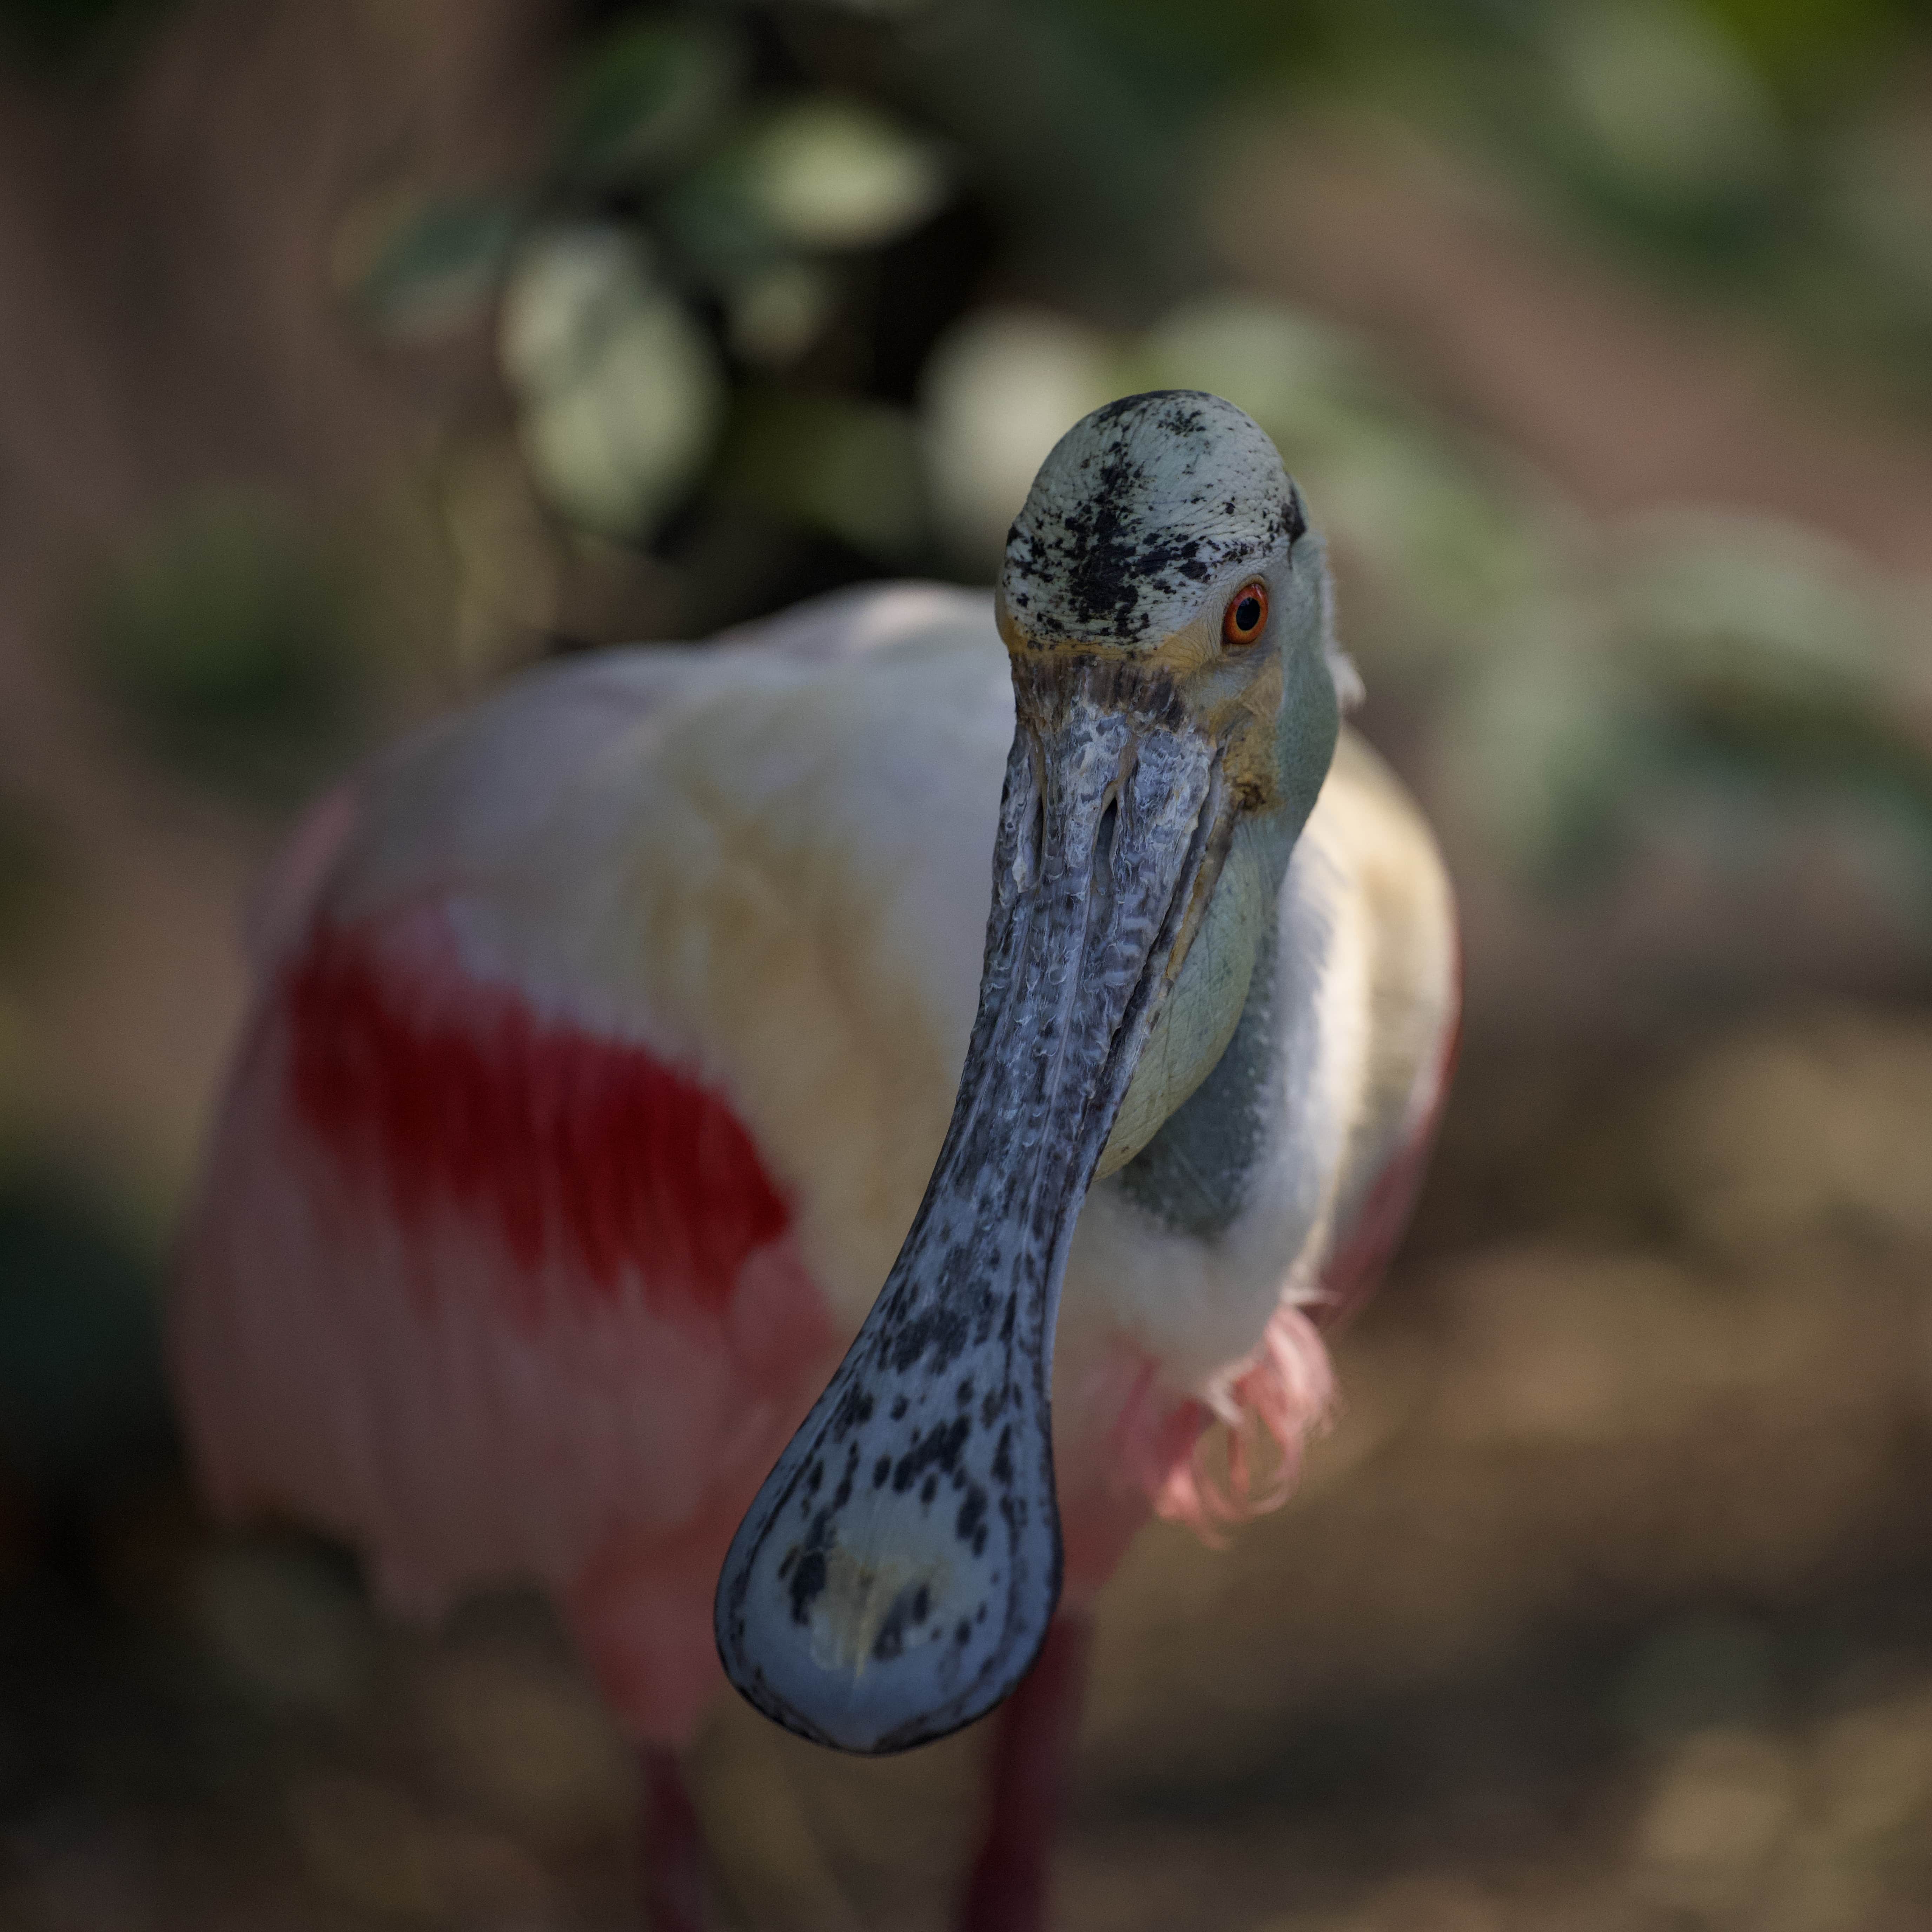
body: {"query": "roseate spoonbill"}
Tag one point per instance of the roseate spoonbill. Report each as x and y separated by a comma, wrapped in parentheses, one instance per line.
(605, 1045)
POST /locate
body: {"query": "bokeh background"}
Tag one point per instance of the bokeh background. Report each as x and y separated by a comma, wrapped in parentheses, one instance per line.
(355, 353)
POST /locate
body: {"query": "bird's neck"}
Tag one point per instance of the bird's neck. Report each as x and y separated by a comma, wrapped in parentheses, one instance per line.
(1194, 1171)
(1195, 1174)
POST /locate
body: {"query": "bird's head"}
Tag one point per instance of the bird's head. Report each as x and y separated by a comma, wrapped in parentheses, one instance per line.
(1165, 605)
(1165, 610)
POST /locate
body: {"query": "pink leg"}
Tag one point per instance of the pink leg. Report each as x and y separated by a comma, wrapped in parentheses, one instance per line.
(674, 1848)
(1007, 1892)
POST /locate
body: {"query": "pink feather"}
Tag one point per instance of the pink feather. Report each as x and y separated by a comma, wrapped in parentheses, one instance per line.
(497, 1298)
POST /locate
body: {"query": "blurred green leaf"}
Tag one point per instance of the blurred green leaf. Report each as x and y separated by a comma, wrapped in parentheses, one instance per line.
(1001, 387)
(818, 174)
(1881, 188)
(848, 468)
(1192, 54)
(777, 313)
(645, 97)
(1802, 43)
(437, 268)
(1306, 383)
(1706, 596)
(225, 636)
(1664, 101)
(1544, 741)
(1464, 555)
(1766, 641)
(834, 174)
(620, 392)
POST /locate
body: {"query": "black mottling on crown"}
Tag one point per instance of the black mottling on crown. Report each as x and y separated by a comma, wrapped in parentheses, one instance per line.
(1295, 514)
(1101, 558)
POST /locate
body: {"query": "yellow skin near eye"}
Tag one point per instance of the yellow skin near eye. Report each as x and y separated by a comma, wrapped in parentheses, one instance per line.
(1246, 615)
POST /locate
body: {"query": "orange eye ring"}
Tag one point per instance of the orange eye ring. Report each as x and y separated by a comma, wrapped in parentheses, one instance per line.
(1246, 617)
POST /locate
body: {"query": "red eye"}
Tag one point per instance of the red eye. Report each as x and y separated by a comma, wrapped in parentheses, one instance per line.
(1246, 615)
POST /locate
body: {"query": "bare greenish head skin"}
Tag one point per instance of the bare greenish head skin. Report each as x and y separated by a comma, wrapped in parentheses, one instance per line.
(896, 1575)
(1138, 509)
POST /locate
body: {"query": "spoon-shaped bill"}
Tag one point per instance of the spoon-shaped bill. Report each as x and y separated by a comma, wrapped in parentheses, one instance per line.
(895, 1576)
